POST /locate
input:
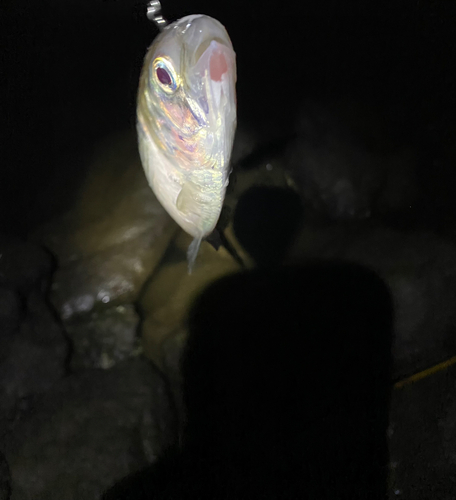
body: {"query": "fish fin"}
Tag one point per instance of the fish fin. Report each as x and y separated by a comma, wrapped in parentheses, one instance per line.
(185, 199)
(214, 239)
(192, 252)
(225, 242)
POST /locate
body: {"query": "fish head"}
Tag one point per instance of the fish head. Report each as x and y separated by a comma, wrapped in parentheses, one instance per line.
(190, 75)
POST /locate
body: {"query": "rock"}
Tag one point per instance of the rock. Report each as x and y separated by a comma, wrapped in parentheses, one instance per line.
(5, 479)
(35, 360)
(400, 192)
(263, 166)
(112, 239)
(113, 276)
(33, 347)
(423, 438)
(420, 269)
(245, 142)
(342, 163)
(92, 429)
(23, 265)
(172, 351)
(114, 205)
(421, 272)
(10, 315)
(10, 305)
(168, 297)
(266, 221)
(104, 338)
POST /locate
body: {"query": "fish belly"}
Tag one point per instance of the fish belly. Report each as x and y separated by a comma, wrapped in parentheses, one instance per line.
(193, 202)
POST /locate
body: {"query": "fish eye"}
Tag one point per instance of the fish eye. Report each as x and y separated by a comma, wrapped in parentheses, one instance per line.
(165, 75)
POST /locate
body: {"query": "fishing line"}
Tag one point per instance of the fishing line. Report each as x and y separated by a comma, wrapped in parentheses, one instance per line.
(425, 373)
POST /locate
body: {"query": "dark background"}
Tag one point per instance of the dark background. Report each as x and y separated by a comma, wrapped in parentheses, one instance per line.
(69, 72)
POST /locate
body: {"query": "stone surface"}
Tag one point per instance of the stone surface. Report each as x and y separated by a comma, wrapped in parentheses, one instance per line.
(35, 361)
(33, 348)
(343, 165)
(114, 236)
(111, 277)
(5, 479)
(263, 166)
(10, 305)
(114, 205)
(104, 338)
(10, 315)
(423, 439)
(266, 221)
(92, 429)
(172, 351)
(420, 269)
(245, 142)
(400, 192)
(169, 295)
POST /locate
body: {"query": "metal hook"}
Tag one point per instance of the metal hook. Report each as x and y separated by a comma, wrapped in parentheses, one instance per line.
(154, 14)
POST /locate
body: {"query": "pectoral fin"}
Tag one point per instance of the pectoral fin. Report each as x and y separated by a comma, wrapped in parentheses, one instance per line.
(186, 198)
(192, 252)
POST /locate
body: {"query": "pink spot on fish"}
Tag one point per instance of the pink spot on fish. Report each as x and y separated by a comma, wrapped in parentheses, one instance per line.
(218, 66)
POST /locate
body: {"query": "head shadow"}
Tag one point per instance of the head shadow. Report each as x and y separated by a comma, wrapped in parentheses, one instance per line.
(287, 383)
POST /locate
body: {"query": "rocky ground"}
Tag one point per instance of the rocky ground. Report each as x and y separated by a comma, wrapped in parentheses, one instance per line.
(93, 306)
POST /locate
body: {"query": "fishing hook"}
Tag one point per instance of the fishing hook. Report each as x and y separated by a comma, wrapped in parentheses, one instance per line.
(154, 14)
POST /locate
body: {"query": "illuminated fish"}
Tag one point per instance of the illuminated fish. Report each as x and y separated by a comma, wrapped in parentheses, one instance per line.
(186, 122)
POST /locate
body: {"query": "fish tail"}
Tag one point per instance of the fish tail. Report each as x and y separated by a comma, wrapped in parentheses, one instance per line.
(192, 252)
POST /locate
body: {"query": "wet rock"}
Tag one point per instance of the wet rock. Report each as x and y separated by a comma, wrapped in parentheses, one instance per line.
(342, 163)
(114, 236)
(92, 429)
(114, 205)
(168, 297)
(420, 269)
(104, 338)
(423, 438)
(112, 276)
(35, 360)
(33, 347)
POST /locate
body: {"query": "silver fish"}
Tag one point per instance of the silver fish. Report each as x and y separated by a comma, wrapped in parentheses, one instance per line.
(186, 120)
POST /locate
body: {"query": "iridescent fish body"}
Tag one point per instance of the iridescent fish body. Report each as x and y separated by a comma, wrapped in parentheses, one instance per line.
(186, 122)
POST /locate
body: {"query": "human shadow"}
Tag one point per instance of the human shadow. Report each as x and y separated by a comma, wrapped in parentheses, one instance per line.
(286, 388)
(266, 221)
